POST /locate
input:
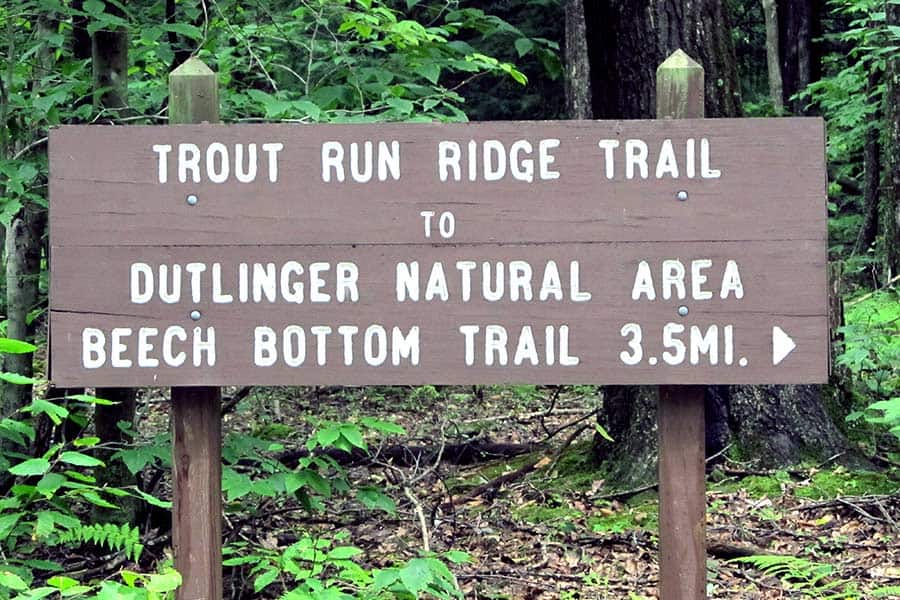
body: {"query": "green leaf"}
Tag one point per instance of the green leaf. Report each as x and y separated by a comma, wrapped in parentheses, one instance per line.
(343, 553)
(152, 500)
(373, 498)
(95, 499)
(11, 346)
(7, 522)
(316, 482)
(524, 46)
(235, 485)
(17, 430)
(311, 109)
(44, 524)
(457, 557)
(80, 460)
(401, 105)
(264, 580)
(92, 399)
(185, 29)
(431, 72)
(93, 7)
(603, 432)
(62, 583)
(86, 442)
(161, 583)
(352, 434)
(416, 575)
(12, 581)
(383, 426)
(384, 578)
(56, 412)
(136, 459)
(49, 483)
(33, 466)
(17, 379)
(328, 436)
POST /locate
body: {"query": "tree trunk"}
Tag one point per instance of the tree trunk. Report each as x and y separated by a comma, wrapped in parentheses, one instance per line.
(109, 61)
(81, 39)
(578, 71)
(872, 174)
(626, 42)
(629, 39)
(23, 253)
(782, 425)
(109, 58)
(23, 268)
(799, 25)
(891, 197)
(776, 92)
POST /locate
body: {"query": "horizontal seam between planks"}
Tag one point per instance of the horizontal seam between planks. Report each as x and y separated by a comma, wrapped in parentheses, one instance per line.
(437, 245)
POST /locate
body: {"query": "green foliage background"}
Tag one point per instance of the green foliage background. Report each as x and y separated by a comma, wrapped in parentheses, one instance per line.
(329, 61)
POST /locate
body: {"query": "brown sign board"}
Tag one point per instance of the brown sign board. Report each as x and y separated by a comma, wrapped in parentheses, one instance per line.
(616, 252)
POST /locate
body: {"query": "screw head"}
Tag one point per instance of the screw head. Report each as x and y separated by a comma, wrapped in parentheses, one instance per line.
(192, 200)
(683, 311)
(682, 195)
(195, 315)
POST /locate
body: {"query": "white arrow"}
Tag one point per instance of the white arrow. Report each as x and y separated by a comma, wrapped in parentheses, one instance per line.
(782, 345)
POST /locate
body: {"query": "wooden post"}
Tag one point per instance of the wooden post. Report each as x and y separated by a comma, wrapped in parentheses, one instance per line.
(196, 411)
(682, 442)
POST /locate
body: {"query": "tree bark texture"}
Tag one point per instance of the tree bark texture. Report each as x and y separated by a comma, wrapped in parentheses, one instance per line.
(872, 174)
(629, 416)
(799, 26)
(891, 197)
(773, 63)
(23, 267)
(23, 243)
(81, 39)
(627, 40)
(106, 427)
(578, 71)
(626, 43)
(109, 60)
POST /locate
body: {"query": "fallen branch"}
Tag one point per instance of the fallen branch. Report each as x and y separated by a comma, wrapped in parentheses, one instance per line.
(730, 550)
(856, 500)
(230, 403)
(504, 479)
(401, 455)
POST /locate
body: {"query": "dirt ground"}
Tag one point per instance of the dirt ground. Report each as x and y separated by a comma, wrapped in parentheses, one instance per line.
(541, 523)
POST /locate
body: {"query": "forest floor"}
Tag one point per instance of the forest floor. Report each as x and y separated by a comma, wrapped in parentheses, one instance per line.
(540, 523)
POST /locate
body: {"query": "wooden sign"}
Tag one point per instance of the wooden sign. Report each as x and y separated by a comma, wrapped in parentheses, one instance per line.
(652, 252)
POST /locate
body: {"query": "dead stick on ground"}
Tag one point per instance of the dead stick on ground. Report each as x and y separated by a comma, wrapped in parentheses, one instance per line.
(423, 523)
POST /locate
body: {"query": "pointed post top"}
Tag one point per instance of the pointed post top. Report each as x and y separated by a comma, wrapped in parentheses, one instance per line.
(192, 67)
(679, 88)
(193, 93)
(679, 60)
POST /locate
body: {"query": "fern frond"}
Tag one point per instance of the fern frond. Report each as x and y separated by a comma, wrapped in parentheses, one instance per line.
(117, 538)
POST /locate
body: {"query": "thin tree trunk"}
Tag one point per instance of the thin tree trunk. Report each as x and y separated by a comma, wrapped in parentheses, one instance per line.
(23, 243)
(776, 92)
(23, 267)
(872, 174)
(109, 58)
(81, 39)
(578, 71)
(891, 197)
(798, 22)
